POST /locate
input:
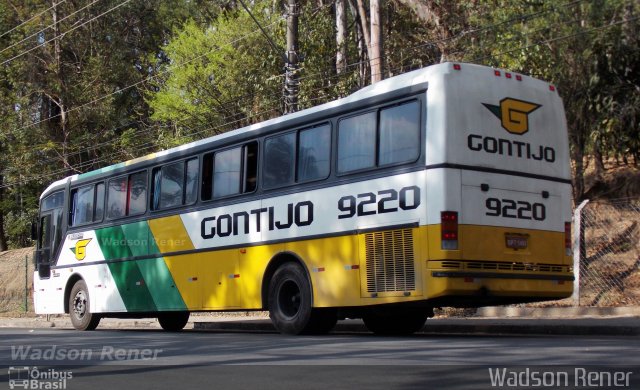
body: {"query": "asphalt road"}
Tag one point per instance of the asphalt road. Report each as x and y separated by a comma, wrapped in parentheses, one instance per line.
(139, 359)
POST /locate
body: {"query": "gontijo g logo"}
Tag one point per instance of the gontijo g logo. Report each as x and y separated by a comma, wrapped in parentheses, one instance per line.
(514, 114)
(80, 250)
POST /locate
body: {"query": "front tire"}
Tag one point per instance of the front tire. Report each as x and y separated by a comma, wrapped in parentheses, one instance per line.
(79, 305)
(173, 321)
(290, 307)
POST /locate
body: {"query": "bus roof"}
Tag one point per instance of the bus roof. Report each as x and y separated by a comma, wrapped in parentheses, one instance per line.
(413, 78)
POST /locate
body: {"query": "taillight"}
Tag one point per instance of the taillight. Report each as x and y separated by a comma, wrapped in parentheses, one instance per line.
(567, 238)
(449, 229)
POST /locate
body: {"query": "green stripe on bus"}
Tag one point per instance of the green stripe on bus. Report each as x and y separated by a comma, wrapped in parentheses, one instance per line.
(144, 285)
(137, 235)
(161, 285)
(132, 286)
(115, 244)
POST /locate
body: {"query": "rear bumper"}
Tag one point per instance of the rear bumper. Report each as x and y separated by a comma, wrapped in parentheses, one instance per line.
(497, 286)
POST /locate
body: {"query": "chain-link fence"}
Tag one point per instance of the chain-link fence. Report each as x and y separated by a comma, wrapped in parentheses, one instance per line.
(16, 275)
(608, 247)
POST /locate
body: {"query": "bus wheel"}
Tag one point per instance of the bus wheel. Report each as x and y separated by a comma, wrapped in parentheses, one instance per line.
(290, 300)
(395, 323)
(81, 317)
(173, 321)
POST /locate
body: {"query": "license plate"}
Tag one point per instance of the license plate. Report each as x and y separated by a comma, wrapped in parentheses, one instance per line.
(516, 241)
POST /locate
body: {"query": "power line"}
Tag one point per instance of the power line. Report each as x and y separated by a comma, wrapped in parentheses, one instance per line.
(141, 132)
(138, 82)
(30, 19)
(66, 32)
(46, 28)
(542, 42)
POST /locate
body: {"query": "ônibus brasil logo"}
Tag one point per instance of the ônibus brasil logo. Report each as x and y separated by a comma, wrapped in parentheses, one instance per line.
(513, 114)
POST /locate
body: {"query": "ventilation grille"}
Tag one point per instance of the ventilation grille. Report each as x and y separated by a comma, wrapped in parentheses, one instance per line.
(504, 266)
(390, 261)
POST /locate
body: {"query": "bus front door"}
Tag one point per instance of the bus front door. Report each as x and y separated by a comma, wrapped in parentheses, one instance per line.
(49, 234)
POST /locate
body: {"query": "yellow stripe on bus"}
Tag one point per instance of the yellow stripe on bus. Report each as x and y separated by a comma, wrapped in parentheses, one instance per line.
(170, 235)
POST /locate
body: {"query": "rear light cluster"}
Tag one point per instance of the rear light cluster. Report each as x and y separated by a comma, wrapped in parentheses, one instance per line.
(508, 75)
(449, 229)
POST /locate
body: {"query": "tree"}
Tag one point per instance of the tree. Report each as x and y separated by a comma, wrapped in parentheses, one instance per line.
(67, 101)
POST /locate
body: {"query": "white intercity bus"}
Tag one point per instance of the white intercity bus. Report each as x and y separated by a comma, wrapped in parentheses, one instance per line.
(446, 186)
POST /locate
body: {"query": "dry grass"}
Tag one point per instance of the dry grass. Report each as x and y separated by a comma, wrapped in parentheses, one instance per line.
(12, 281)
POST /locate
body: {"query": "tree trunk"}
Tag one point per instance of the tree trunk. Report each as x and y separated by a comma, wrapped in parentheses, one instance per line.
(375, 53)
(59, 100)
(578, 160)
(361, 43)
(291, 80)
(362, 18)
(341, 37)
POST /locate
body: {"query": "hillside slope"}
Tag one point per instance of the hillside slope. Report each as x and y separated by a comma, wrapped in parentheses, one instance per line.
(12, 281)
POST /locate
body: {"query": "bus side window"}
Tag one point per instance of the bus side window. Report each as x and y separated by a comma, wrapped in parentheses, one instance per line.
(117, 197)
(230, 172)
(175, 184)
(98, 211)
(206, 190)
(127, 195)
(83, 202)
(191, 182)
(137, 202)
(314, 153)
(399, 134)
(357, 142)
(87, 204)
(172, 185)
(250, 173)
(227, 172)
(279, 158)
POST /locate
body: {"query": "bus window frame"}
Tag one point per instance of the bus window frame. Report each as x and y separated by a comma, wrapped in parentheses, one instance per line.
(243, 170)
(296, 171)
(73, 191)
(128, 181)
(377, 109)
(159, 167)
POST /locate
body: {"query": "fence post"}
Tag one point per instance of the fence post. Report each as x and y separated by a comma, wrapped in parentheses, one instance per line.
(26, 283)
(578, 238)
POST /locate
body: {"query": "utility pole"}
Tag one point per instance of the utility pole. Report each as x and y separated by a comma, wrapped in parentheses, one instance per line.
(291, 83)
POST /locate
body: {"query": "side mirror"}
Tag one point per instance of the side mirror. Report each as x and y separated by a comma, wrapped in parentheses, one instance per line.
(34, 231)
(44, 270)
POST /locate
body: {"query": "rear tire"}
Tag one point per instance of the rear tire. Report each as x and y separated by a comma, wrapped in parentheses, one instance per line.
(395, 323)
(79, 305)
(289, 301)
(173, 321)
